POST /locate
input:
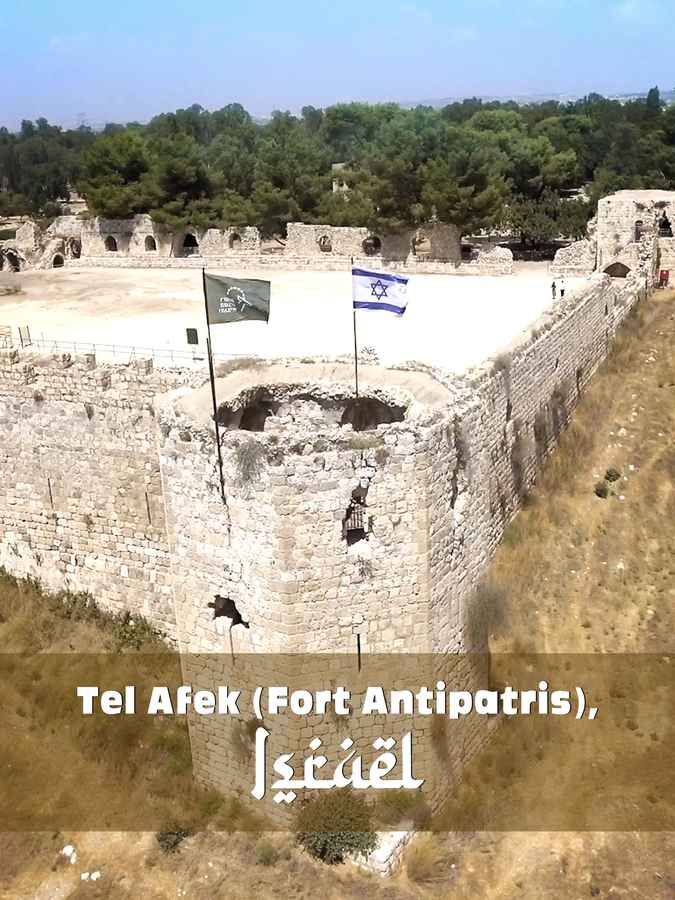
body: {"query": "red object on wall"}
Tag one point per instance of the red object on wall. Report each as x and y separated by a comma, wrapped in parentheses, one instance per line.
(664, 277)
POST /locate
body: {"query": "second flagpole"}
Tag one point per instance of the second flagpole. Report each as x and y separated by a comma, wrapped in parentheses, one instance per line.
(213, 388)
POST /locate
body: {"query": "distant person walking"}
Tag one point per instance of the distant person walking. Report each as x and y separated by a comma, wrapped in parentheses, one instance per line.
(554, 290)
(562, 288)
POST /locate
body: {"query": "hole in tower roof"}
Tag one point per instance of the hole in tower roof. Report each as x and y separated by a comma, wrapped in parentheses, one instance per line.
(366, 413)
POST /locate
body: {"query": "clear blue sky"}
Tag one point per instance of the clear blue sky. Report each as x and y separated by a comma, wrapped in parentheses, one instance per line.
(116, 60)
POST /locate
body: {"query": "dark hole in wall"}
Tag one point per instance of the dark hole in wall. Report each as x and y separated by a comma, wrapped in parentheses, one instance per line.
(255, 415)
(617, 270)
(665, 228)
(190, 245)
(110, 244)
(235, 241)
(372, 245)
(150, 244)
(57, 262)
(225, 606)
(366, 413)
(509, 410)
(355, 522)
(251, 417)
(11, 261)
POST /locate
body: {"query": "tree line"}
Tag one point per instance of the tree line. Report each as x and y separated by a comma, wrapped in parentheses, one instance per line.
(483, 166)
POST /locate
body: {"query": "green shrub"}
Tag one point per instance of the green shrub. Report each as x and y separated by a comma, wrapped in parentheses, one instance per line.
(266, 854)
(170, 840)
(424, 859)
(132, 632)
(612, 474)
(394, 807)
(335, 825)
(248, 458)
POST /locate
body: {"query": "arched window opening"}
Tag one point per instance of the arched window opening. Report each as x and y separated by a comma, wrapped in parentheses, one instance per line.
(325, 244)
(665, 228)
(110, 244)
(421, 245)
(11, 261)
(73, 248)
(617, 270)
(355, 524)
(235, 241)
(639, 229)
(150, 244)
(190, 245)
(372, 245)
(57, 262)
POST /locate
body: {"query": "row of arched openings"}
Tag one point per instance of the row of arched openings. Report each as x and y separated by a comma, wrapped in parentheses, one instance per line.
(371, 246)
(110, 244)
(190, 244)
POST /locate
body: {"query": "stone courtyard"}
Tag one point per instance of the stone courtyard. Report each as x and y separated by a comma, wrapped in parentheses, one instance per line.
(450, 322)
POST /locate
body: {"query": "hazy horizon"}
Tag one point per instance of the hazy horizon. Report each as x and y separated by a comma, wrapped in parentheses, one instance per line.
(132, 61)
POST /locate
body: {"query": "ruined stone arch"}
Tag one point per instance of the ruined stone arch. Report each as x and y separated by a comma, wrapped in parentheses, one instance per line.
(234, 241)
(665, 227)
(617, 270)
(372, 245)
(10, 261)
(421, 244)
(73, 248)
(110, 244)
(150, 244)
(190, 244)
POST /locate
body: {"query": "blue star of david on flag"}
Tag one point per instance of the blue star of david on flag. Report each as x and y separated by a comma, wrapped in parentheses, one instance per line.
(379, 290)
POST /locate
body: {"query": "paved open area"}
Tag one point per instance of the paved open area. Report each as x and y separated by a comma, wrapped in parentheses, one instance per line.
(451, 321)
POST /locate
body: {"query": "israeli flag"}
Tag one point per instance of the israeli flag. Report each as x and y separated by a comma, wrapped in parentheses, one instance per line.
(379, 290)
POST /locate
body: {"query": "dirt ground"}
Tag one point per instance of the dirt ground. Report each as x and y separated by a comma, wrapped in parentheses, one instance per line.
(451, 321)
(580, 570)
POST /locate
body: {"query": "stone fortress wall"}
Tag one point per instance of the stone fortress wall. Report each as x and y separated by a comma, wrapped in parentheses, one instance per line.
(81, 504)
(110, 485)
(343, 524)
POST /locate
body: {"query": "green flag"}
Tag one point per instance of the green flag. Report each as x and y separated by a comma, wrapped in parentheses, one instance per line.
(235, 299)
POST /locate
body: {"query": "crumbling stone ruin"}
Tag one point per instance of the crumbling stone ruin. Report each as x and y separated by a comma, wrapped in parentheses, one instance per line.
(139, 242)
(633, 232)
